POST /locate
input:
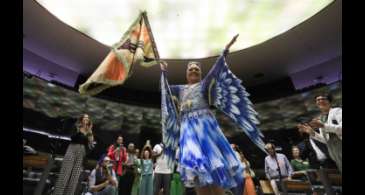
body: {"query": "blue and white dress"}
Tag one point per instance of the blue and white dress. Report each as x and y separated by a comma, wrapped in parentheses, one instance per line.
(205, 155)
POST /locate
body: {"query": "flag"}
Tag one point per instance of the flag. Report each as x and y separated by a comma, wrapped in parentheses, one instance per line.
(169, 121)
(137, 47)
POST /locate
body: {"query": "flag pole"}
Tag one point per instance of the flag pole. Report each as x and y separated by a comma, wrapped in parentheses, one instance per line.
(131, 68)
(154, 47)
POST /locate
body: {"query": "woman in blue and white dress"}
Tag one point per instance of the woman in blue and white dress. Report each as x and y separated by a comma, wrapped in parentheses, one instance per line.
(206, 159)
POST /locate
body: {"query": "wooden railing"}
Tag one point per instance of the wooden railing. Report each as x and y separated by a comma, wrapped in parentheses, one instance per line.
(35, 161)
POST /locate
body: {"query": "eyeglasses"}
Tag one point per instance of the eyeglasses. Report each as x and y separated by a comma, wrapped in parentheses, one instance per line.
(194, 69)
(319, 99)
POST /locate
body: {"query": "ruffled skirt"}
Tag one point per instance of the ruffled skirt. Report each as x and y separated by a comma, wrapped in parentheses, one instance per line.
(206, 157)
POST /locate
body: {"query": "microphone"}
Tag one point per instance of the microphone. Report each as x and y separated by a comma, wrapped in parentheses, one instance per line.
(109, 168)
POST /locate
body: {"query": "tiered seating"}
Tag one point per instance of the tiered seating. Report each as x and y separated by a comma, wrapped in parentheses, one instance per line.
(36, 170)
(327, 181)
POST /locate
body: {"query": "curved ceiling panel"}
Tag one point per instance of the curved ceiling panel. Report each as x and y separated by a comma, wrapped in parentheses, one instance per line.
(189, 28)
(62, 54)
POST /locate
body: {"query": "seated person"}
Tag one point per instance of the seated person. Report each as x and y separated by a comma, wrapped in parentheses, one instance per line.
(297, 162)
(102, 179)
(299, 165)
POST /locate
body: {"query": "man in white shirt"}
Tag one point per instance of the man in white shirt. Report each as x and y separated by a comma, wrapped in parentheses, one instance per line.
(319, 154)
(163, 173)
(330, 127)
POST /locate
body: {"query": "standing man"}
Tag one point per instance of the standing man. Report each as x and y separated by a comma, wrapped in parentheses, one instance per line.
(330, 128)
(163, 173)
(127, 179)
(277, 167)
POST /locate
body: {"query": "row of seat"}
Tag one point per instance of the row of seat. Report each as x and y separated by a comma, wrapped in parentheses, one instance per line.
(321, 181)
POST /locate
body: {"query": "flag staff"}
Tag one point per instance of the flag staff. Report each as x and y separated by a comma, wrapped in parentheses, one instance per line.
(154, 47)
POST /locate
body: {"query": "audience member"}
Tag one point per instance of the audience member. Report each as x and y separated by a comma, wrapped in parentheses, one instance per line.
(127, 179)
(238, 190)
(163, 173)
(177, 186)
(137, 174)
(146, 185)
(277, 167)
(249, 186)
(102, 179)
(118, 154)
(297, 162)
(72, 164)
(317, 153)
(330, 127)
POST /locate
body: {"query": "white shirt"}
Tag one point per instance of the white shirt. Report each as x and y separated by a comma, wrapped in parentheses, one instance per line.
(335, 114)
(320, 155)
(161, 161)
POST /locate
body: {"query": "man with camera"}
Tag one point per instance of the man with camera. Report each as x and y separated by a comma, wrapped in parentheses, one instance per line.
(102, 179)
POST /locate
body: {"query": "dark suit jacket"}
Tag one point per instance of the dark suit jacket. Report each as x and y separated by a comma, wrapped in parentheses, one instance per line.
(309, 153)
